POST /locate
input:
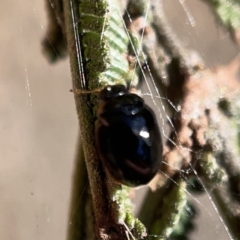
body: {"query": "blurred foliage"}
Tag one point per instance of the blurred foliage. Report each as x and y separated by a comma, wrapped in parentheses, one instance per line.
(228, 12)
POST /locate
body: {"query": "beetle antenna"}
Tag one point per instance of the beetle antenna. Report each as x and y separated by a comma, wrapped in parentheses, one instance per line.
(129, 85)
(80, 91)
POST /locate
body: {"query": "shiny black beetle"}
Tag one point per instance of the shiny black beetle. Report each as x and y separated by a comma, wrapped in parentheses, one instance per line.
(127, 136)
